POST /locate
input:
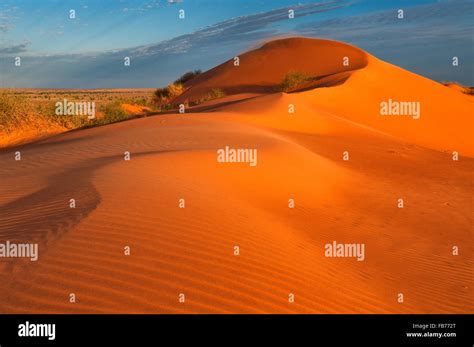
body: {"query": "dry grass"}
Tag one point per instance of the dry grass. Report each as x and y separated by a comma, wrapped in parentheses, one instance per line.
(215, 93)
(294, 79)
(459, 87)
(35, 108)
(163, 97)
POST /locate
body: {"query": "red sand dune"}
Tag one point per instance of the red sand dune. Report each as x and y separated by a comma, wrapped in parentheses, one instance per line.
(135, 203)
(263, 69)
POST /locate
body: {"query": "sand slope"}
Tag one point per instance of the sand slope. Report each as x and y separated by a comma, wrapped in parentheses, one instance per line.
(173, 250)
(446, 121)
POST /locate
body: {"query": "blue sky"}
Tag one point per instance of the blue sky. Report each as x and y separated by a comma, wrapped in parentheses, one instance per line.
(88, 51)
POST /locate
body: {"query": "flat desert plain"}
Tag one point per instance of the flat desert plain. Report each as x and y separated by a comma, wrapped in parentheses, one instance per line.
(175, 230)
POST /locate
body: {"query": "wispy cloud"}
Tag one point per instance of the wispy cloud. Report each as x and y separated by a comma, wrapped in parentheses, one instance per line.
(438, 30)
(424, 41)
(440, 21)
(14, 49)
(154, 64)
(238, 28)
(243, 28)
(7, 17)
(147, 6)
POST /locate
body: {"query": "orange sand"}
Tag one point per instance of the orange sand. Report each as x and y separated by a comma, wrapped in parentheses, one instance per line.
(135, 109)
(135, 203)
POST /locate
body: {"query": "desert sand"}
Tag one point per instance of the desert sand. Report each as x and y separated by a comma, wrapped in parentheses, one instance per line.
(190, 250)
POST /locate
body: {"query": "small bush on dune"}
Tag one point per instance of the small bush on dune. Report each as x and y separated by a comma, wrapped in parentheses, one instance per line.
(161, 96)
(217, 93)
(175, 90)
(187, 76)
(293, 79)
(458, 86)
(164, 96)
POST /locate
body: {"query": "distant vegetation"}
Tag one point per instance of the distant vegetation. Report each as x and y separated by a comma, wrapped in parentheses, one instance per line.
(294, 79)
(12, 112)
(16, 112)
(35, 109)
